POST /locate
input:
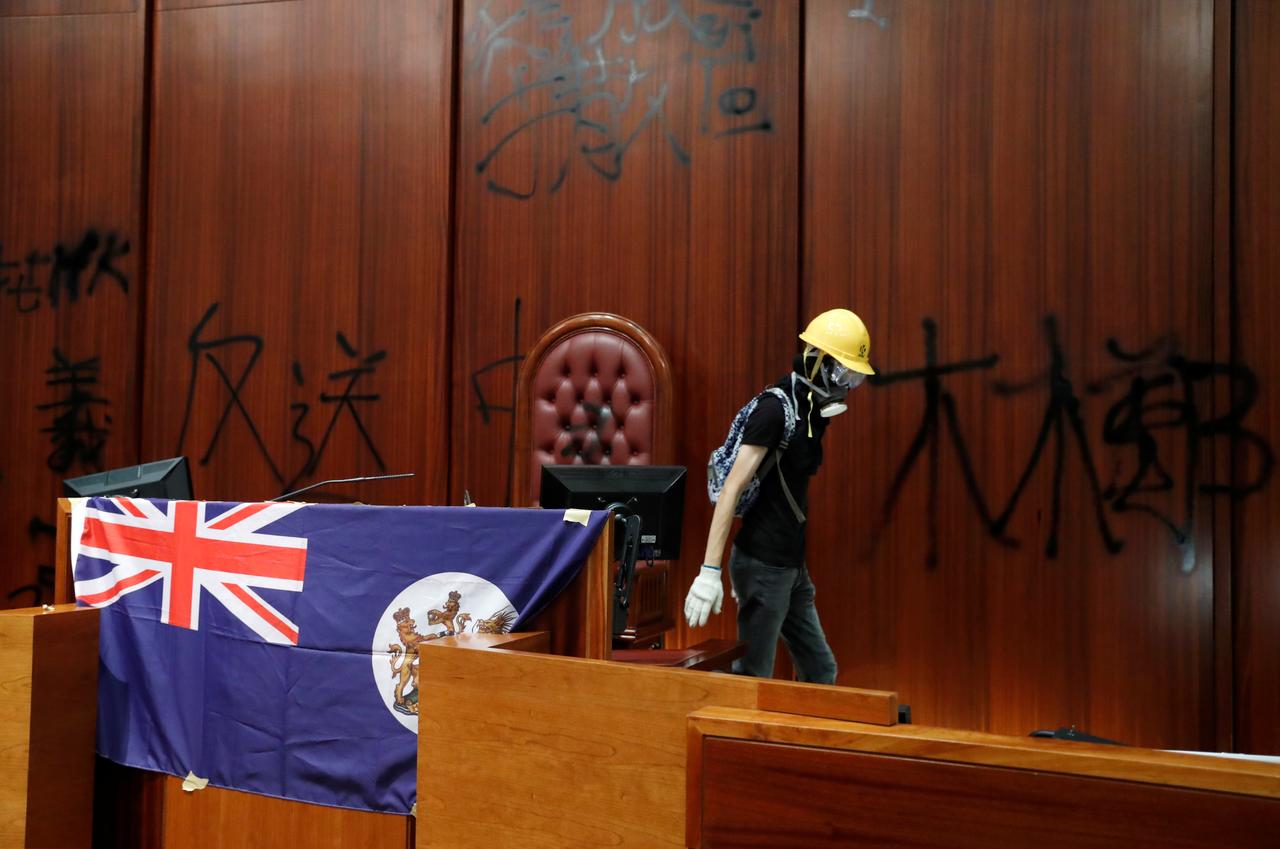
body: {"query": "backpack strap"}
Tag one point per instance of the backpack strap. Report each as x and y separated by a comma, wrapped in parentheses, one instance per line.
(775, 458)
(786, 490)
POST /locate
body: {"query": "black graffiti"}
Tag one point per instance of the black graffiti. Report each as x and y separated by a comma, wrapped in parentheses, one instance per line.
(343, 402)
(939, 411)
(584, 440)
(40, 590)
(1062, 418)
(867, 13)
(1162, 397)
(512, 360)
(78, 436)
(202, 350)
(349, 399)
(38, 528)
(93, 256)
(574, 88)
(1164, 393)
(301, 408)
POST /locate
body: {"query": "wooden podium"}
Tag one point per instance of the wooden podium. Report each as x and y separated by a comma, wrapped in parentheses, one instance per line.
(48, 705)
(136, 808)
(582, 753)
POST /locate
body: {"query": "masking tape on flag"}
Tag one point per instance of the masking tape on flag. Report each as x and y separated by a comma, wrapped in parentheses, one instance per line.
(193, 783)
(582, 517)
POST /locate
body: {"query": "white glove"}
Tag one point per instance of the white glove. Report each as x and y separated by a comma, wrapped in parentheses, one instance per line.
(704, 598)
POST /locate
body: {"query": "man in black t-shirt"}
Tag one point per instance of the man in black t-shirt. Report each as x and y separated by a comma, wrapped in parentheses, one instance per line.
(767, 568)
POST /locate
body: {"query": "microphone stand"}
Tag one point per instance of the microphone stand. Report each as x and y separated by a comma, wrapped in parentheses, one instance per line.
(341, 480)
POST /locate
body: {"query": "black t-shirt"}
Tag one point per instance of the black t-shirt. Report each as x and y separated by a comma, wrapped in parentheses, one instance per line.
(770, 531)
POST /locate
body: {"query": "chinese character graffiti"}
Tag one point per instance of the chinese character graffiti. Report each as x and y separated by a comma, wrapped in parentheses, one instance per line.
(1163, 395)
(1062, 420)
(939, 412)
(576, 88)
(72, 269)
(344, 401)
(202, 350)
(215, 353)
(584, 440)
(43, 587)
(77, 434)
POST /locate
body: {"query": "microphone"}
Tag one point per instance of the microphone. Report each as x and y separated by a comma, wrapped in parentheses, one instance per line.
(341, 480)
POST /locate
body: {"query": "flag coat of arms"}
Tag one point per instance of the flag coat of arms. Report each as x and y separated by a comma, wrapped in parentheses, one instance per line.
(273, 647)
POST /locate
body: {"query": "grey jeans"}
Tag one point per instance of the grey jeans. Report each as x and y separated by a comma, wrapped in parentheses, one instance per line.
(777, 601)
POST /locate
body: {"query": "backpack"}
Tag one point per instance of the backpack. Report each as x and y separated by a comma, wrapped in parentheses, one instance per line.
(723, 458)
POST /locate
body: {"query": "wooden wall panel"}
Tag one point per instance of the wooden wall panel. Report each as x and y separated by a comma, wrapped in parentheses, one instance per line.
(26, 8)
(1256, 198)
(70, 293)
(298, 325)
(635, 159)
(1027, 188)
(169, 5)
(981, 164)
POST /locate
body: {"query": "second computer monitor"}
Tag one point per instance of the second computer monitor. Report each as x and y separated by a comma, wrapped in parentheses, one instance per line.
(654, 493)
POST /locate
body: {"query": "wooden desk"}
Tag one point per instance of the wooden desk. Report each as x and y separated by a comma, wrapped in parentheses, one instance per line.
(707, 655)
(762, 779)
(572, 752)
(48, 707)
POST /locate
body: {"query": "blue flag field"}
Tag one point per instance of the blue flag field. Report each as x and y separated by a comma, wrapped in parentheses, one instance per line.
(273, 647)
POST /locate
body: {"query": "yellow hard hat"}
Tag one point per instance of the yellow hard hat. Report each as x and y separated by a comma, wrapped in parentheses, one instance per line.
(841, 334)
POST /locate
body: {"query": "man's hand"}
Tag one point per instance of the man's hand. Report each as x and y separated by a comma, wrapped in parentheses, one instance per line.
(705, 597)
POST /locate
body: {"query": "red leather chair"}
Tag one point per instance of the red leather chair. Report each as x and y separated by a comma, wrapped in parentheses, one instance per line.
(596, 389)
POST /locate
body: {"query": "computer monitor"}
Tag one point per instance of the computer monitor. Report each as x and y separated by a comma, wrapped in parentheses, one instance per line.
(654, 493)
(162, 479)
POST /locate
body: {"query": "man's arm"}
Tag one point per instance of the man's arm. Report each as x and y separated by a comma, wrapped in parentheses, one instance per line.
(707, 593)
(744, 469)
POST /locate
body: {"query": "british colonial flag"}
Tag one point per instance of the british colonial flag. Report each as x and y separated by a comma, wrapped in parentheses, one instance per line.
(216, 662)
(186, 551)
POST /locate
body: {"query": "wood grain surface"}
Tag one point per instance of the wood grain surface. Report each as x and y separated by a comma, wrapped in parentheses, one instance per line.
(575, 752)
(1256, 199)
(1018, 199)
(1066, 206)
(71, 245)
(766, 795)
(669, 197)
(300, 196)
(1122, 763)
(229, 818)
(48, 675)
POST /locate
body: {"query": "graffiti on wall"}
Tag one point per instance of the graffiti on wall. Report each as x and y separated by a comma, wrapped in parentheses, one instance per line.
(577, 89)
(230, 359)
(1164, 393)
(64, 272)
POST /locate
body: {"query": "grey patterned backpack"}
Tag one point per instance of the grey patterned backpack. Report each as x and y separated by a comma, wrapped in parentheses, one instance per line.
(722, 459)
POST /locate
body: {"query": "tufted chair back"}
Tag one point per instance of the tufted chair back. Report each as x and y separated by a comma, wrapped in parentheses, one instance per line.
(597, 390)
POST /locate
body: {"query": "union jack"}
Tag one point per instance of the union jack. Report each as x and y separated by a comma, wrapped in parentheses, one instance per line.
(175, 543)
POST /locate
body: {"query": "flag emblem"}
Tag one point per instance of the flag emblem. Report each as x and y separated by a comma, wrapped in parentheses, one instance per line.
(440, 605)
(176, 544)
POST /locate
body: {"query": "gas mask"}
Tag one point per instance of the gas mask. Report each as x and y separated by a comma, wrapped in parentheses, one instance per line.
(829, 382)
